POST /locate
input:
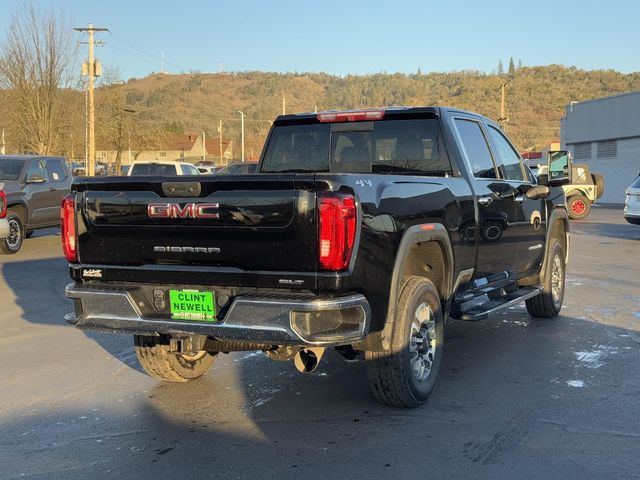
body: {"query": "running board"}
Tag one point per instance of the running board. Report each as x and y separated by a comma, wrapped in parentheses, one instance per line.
(481, 312)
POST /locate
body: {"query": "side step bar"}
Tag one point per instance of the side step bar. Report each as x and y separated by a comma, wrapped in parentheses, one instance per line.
(482, 311)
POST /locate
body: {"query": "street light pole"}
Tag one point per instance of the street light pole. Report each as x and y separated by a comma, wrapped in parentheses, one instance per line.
(242, 132)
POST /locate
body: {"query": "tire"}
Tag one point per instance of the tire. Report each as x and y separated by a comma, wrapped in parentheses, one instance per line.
(13, 242)
(578, 206)
(598, 181)
(548, 303)
(159, 363)
(406, 375)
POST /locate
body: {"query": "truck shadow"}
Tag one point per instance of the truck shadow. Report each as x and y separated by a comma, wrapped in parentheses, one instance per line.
(502, 384)
(38, 287)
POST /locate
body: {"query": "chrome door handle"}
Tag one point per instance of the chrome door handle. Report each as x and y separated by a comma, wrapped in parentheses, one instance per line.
(485, 201)
(519, 199)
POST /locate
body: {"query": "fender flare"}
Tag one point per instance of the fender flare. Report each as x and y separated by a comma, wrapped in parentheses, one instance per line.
(580, 191)
(22, 204)
(428, 232)
(557, 213)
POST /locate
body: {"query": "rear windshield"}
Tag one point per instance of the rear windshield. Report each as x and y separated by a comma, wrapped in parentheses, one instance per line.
(10, 168)
(153, 169)
(391, 146)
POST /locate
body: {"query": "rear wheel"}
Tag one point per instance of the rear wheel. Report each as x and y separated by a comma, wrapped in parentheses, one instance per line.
(160, 363)
(406, 375)
(578, 206)
(548, 303)
(13, 242)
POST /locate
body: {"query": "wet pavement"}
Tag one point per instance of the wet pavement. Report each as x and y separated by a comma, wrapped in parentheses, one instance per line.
(517, 398)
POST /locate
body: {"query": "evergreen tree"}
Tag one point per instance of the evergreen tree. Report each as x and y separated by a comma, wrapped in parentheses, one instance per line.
(500, 67)
(512, 67)
(519, 64)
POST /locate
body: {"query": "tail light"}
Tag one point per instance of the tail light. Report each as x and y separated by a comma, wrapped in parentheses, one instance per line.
(3, 204)
(68, 227)
(337, 230)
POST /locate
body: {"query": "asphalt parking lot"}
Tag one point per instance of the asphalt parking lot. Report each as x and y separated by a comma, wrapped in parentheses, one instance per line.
(516, 398)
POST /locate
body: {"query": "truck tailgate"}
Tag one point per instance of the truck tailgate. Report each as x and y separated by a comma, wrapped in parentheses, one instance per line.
(241, 223)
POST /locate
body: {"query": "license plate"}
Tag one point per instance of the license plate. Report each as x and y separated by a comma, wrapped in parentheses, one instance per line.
(192, 305)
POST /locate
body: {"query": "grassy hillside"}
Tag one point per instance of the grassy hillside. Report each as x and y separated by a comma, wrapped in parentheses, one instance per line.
(536, 97)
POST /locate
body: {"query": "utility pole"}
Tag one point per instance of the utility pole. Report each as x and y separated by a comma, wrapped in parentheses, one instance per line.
(242, 131)
(204, 146)
(502, 120)
(3, 150)
(92, 69)
(284, 105)
(220, 136)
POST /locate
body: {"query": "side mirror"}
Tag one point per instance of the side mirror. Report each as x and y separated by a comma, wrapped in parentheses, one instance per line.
(538, 191)
(36, 178)
(559, 168)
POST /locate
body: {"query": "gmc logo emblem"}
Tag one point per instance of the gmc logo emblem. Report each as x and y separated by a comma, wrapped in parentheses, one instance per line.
(188, 210)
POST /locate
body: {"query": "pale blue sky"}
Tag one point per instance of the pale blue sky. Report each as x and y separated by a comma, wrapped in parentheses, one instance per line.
(341, 37)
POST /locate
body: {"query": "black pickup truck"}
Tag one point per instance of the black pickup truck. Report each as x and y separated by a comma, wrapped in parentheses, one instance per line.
(362, 230)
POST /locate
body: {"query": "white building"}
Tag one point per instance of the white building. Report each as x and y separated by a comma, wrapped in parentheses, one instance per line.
(604, 133)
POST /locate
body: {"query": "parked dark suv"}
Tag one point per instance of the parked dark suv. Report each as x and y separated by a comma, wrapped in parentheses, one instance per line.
(34, 187)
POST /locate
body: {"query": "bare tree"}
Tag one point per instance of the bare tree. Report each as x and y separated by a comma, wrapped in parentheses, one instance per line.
(117, 127)
(36, 61)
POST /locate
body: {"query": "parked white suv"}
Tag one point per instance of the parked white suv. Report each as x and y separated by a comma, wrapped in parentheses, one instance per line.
(162, 168)
(632, 203)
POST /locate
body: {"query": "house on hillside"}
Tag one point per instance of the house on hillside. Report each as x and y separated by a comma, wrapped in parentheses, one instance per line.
(189, 147)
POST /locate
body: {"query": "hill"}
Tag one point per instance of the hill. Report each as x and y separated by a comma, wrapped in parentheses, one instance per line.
(536, 97)
(194, 102)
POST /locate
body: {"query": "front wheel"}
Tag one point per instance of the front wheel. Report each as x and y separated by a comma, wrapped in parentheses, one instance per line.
(548, 303)
(160, 363)
(406, 375)
(13, 242)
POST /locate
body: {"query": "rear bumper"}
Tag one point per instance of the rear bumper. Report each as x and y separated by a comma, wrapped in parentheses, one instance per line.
(4, 228)
(632, 217)
(316, 321)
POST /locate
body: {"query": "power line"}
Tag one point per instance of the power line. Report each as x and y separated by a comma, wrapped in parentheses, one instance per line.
(157, 58)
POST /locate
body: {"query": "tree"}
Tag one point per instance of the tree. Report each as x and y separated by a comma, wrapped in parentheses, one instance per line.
(36, 61)
(116, 128)
(512, 68)
(500, 67)
(519, 64)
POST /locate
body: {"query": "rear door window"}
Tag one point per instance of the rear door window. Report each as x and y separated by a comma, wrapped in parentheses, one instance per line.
(476, 148)
(55, 169)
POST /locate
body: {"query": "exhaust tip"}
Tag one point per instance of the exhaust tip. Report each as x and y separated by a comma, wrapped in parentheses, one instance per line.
(307, 359)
